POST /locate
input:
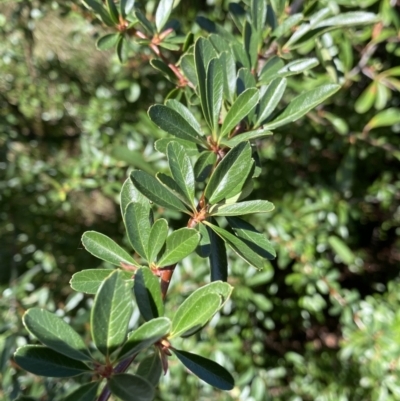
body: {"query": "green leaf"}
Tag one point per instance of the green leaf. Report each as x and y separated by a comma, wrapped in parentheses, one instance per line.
(206, 369)
(245, 80)
(145, 336)
(146, 24)
(108, 41)
(129, 387)
(89, 280)
(125, 7)
(241, 208)
(192, 149)
(137, 223)
(150, 368)
(173, 186)
(148, 294)
(287, 25)
(251, 39)
(189, 68)
(253, 238)
(247, 136)
(53, 332)
(174, 123)
(111, 312)
(385, 118)
(214, 92)
(113, 11)
(158, 235)
(231, 172)
(342, 250)
(228, 74)
(203, 249)
(194, 313)
(242, 106)
(204, 166)
(43, 361)
(99, 10)
(270, 97)
(302, 104)
(182, 170)
(218, 258)
(239, 247)
(366, 99)
(163, 68)
(241, 57)
(270, 70)
(122, 49)
(179, 244)
(355, 18)
(163, 12)
(106, 249)
(298, 66)
(130, 194)
(156, 192)
(258, 13)
(86, 392)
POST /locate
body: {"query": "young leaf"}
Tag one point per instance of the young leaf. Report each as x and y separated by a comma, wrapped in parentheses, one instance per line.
(218, 258)
(43, 361)
(130, 194)
(106, 249)
(214, 91)
(150, 368)
(246, 136)
(128, 387)
(137, 223)
(206, 369)
(145, 336)
(231, 172)
(158, 235)
(108, 41)
(241, 208)
(270, 97)
(174, 123)
(186, 114)
(156, 192)
(253, 238)
(110, 314)
(194, 314)
(163, 12)
(179, 244)
(148, 294)
(181, 170)
(204, 166)
(302, 104)
(86, 392)
(53, 332)
(242, 106)
(89, 280)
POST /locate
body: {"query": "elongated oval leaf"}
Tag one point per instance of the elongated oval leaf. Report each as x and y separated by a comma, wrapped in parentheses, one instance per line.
(106, 249)
(204, 165)
(247, 136)
(230, 173)
(150, 368)
(214, 91)
(156, 192)
(270, 69)
(355, 18)
(245, 102)
(173, 186)
(385, 118)
(185, 113)
(206, 369)
(298, 66)
(137, 223)
(89, 281)
(241, 208)
(53, 332)
(111, 312)
(174, 123)
(43, 361)
(163, 12)
(302, 104)
(148, 294)
(218, 258)
(130, 194)
(129, 387)
(192, 149)
(86, 392)
(158, 235)
(203, 249)
(145, 336)
(192, 315)
(179, 244)
(100, 11)
(108, 41)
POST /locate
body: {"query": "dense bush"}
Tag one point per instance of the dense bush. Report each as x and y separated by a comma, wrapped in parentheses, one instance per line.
(321, 321)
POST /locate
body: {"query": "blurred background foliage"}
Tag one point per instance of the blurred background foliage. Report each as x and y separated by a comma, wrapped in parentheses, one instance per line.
(323, 322)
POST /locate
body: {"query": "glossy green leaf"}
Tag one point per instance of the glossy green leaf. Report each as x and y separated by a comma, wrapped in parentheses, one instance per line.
(173, 186)
(366, 99)
(145, 336)
(207, 370)
(130, 194)
(238, 14)
(287, 25)
(251, 39)
(186, 114)
(355, 18)
(302, 104)
(156, 192)
(179, 244)
(113, 11)
(174, 123)
(228, 74)
(203, 249)
(241, 208)
(192, 149)
(214, 92)
(241, 57)
(385, 118)
(258, 12)
(204, 166)
(270, 70)
(218, 258)
(150, 368)
(148, 294)
(270, 96)
(182, 170)
(158, 235)
(230, 172)
(146, 24)
(122, 49)
(125, 7)
(253, 238)
(247, 136)
(106, 249)
(43, 361)
(99, 10)
(194, 314)
(164, 69)
(239, 247)
(242, 106)
(89, 280)
(111, 312)
(245, 80)
(86, 392)
(108, 41)
(129, 387)
(163, 12)
(189, 69)
(298, 66)
(53, 332)
(137, 223)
